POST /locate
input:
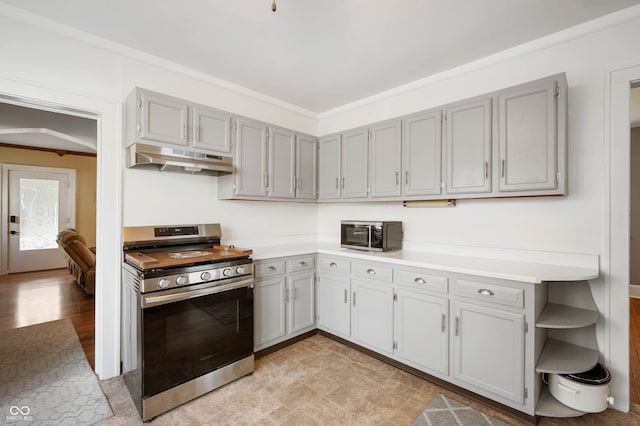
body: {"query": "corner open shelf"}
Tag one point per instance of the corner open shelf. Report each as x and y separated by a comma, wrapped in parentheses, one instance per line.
(561, 357)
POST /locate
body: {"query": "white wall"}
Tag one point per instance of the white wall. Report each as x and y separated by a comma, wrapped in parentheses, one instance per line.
(634, 243)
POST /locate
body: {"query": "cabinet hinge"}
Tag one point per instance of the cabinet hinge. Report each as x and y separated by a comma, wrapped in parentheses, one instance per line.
(526, 327)
(395, 345)
(443, 118)
(395, 297)
(443, 185)
(235, 125)
(139, 103)
(318, 317)
(557, 91)
(558, 178)
(526, 393)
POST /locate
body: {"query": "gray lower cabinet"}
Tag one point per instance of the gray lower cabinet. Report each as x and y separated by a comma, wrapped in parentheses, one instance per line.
(489, 350)
(422, 154)
(334, 311)
(468, 142)
(372, 315)
(284, 299)
(385, 159)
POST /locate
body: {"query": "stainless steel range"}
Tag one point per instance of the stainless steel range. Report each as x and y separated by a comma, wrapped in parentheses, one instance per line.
(187, 314)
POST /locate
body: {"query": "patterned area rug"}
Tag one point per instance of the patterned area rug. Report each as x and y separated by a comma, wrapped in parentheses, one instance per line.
(443, 411)
(45, 378)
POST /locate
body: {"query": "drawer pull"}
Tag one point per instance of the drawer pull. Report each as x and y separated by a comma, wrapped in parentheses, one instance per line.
(272, 269)
(371, 271)
(303, 263)
(419, 281)
(333, 265)
(485, 292)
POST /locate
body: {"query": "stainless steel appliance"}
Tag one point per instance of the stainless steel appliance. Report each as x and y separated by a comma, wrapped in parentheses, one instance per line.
(371, 235)
(187, 314)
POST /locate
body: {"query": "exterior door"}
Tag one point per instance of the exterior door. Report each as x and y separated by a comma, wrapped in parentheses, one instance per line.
(41, 203)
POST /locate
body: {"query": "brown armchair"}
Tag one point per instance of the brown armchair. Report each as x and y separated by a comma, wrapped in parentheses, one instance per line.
(81, 260)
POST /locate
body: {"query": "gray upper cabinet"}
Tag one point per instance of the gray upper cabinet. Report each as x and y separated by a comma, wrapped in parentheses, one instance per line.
(468, 142)
(251, 158)
(354, 164)
(385, 159)
(528, 148)
(282, 163)
(306, 167)
(329, 178)
(422, 154)
(162, 118)
(211, 129)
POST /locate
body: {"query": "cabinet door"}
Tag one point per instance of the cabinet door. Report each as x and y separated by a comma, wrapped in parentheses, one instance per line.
(468, 139)
(269, 312)
(306, 167)
(422, 331)
(489, 350)
(282, 163)
(162, 118)
(333, 304)
(527, 118)
(385, 159)
(354, 164)
(251, 158)
(301, 313)
(372, 315)
(211, 129)
(422, 153)
(329, 168)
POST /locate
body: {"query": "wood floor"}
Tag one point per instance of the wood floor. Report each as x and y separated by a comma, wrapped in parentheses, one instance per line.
(634, 349)
(36, 297)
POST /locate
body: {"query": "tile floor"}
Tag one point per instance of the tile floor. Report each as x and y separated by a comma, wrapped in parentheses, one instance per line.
(319, 382)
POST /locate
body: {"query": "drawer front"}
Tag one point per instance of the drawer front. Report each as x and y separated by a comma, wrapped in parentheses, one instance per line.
(418, 280)
(372, 271)
(267, 268)
(301, 264)
(334, 264)
(491, 293)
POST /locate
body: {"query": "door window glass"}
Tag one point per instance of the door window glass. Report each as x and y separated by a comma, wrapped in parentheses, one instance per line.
(39, 201)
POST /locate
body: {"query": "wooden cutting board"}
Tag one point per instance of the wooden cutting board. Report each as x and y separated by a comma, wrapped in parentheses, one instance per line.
(167, 259)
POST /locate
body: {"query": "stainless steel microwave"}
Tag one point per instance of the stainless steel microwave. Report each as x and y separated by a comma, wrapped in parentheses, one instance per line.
(371, 236)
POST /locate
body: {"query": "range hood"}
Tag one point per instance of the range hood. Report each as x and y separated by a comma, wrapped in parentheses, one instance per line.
(167, 159)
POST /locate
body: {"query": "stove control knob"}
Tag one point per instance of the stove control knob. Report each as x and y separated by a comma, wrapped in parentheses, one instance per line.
(163, 283)
(240, 270)
(227, 272)
(205, 276)
(181, 280)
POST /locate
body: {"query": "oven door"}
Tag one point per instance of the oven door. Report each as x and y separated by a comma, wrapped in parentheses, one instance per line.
(193, 332)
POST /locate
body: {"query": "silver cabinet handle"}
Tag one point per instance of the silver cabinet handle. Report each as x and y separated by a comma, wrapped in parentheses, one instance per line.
(419, 281)
(457, 326)
(303, 263)
(354, 298)
(502, 165)
(184, 131)
(333, 265)
(485, 292)
(486, 170)
(444, 323)
(337, 183)
(406, 177)
(139, 128)
(299, 183)
(272, 269)
(371, 272)
(397, 178)
(264, 180)
(346, 295)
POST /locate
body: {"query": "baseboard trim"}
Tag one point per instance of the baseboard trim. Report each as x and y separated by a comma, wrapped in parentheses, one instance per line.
(275, 348)
(634, 291)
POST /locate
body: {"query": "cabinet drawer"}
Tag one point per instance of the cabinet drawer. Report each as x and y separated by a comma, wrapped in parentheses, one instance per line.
(491, 293)
(267, 269)
(421, 281)
(334, 264)
(301, 264)
(372, 271)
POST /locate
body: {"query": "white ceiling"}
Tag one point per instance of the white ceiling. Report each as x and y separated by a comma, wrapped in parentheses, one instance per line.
(321, 54)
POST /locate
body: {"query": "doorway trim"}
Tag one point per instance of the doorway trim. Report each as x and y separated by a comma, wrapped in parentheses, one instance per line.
(5, 168)
(615, 262)
(108, 113)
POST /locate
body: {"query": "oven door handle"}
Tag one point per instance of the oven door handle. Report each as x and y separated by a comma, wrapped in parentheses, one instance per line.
(151, 300)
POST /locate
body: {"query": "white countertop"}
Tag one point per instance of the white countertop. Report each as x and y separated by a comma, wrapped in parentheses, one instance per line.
(494, 267)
